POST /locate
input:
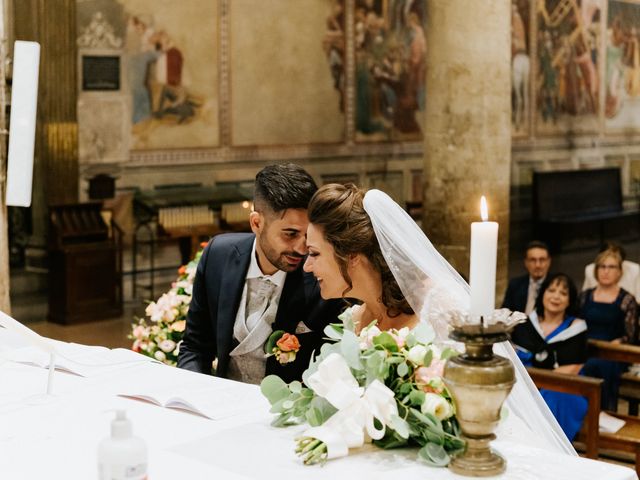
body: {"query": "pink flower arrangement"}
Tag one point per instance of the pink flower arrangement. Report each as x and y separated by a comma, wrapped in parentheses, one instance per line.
(159, 333)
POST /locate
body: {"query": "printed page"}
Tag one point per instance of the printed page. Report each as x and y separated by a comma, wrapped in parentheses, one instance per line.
(80, 360)
(214, 400)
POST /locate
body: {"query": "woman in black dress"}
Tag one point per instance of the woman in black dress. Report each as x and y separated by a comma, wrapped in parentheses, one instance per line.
(555, 339)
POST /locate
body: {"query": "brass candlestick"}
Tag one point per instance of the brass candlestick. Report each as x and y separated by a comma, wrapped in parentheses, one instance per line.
(479, 382)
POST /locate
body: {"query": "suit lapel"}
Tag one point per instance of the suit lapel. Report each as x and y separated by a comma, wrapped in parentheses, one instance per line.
(232, 281)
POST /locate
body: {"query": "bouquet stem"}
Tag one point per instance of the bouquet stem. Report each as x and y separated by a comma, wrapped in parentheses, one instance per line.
(311, 450)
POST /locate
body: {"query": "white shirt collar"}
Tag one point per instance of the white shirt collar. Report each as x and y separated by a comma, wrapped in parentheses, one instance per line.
(254, 271)
(538, 282)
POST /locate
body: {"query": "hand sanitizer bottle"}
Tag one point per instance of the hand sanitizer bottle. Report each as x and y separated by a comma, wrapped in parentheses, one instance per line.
(122, 456)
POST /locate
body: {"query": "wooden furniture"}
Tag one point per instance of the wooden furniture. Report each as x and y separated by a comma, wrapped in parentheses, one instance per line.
(85, 265)
(577, 385)
(186, 214)
(627, 439)
(566, 203)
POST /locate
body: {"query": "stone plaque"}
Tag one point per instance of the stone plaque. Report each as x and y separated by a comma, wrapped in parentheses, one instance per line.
(100, 72)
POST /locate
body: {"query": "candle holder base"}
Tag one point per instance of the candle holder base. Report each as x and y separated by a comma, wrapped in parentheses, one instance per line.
(478, 460)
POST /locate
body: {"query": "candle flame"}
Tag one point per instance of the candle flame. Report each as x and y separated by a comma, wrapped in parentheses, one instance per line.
(484, 210)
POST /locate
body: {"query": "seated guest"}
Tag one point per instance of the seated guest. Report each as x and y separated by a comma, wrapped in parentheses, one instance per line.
(522, 291)
(248, 285)
(554, 339)
(611, 314)
(630, 279)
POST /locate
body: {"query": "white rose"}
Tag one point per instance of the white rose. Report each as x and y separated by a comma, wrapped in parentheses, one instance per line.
(404, 332)
(367, 335)
(167, 345)
(436, 406)
(416, 354)
(160, 356)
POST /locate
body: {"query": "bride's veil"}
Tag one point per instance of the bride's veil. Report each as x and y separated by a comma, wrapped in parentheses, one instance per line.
(432, 287)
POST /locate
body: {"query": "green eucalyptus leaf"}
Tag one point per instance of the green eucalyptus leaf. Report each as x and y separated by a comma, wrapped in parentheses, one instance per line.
(324, 409)
(386, 341)
(281, 420)
(274, 388)
(403, 369)
(400, 426)
(449, 352)
(416, 397)
(395, 360)
(434, 455)
(410, 340)
(350, 349)
(313, 417)
(405, 389)
(428, 358)
(295, 387)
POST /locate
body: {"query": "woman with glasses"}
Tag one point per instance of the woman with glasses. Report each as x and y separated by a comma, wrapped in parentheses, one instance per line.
(611, 314)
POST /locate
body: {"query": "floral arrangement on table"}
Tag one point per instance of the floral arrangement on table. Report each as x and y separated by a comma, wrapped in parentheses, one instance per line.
(158, 335)
(379, 386)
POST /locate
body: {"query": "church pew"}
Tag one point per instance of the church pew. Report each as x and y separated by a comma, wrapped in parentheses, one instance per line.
(579, 385)
(627, 439)
(629, 383)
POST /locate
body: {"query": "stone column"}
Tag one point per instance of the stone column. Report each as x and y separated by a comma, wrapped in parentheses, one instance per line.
(467, 125)
(53, 25)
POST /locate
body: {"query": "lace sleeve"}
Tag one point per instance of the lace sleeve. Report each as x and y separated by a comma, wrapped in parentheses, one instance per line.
(630, 308)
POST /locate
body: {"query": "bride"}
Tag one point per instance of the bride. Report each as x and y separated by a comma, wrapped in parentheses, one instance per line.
(365, 246)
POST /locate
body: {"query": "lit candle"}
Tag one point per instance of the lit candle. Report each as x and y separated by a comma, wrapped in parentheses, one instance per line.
(482, 271)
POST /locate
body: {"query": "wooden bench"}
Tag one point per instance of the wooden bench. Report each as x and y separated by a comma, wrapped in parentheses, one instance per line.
(627, 439)
(566, 203)
(577, 385)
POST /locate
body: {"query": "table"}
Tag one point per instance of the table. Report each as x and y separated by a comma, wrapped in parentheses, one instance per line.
(59, 438)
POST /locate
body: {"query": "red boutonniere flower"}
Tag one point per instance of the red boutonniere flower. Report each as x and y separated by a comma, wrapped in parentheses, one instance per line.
(283, 345)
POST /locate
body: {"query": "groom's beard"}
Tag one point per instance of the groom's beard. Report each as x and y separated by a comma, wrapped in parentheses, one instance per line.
(285, 261)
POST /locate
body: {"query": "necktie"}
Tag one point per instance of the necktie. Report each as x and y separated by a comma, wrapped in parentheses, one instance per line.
(532, 294)
(260, 297)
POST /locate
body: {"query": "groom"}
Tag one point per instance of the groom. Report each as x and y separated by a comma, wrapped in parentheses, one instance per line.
(249, 285)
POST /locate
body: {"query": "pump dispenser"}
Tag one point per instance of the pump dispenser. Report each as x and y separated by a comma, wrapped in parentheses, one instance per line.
(122, 456)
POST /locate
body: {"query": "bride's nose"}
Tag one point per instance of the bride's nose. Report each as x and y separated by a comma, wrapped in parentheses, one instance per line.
(307, 267)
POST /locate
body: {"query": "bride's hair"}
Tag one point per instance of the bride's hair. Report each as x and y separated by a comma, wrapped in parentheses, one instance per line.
(338, 209)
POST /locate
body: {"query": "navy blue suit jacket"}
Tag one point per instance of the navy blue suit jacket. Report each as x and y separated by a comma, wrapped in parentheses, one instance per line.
(217, 291)
(515, 298)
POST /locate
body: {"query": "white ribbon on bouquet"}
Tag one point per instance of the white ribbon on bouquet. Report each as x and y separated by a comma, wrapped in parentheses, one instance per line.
(357, 407)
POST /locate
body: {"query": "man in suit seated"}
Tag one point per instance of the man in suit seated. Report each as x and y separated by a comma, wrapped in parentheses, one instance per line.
(522, 291)
(630, 279)
(248, 285)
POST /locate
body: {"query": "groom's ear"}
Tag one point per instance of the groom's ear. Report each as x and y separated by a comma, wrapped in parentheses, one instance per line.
(256, 222)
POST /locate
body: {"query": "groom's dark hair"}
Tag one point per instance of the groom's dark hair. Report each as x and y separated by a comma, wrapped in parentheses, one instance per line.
(280, 187)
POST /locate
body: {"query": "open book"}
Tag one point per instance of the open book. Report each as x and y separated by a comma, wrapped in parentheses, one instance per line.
(215, 400)
(609, 423)
(82, 360)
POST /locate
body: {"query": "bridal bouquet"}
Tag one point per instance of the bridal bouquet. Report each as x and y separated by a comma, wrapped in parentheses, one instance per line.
(158, 335)
(379, 386)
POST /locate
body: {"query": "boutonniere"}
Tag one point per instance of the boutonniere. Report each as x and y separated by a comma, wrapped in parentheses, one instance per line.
(283, 345)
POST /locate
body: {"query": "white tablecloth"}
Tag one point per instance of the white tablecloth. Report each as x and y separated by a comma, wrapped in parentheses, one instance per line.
(58, 439)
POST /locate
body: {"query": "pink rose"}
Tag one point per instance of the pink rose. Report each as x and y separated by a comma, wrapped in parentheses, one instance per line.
(426, 374)
(288, 343)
